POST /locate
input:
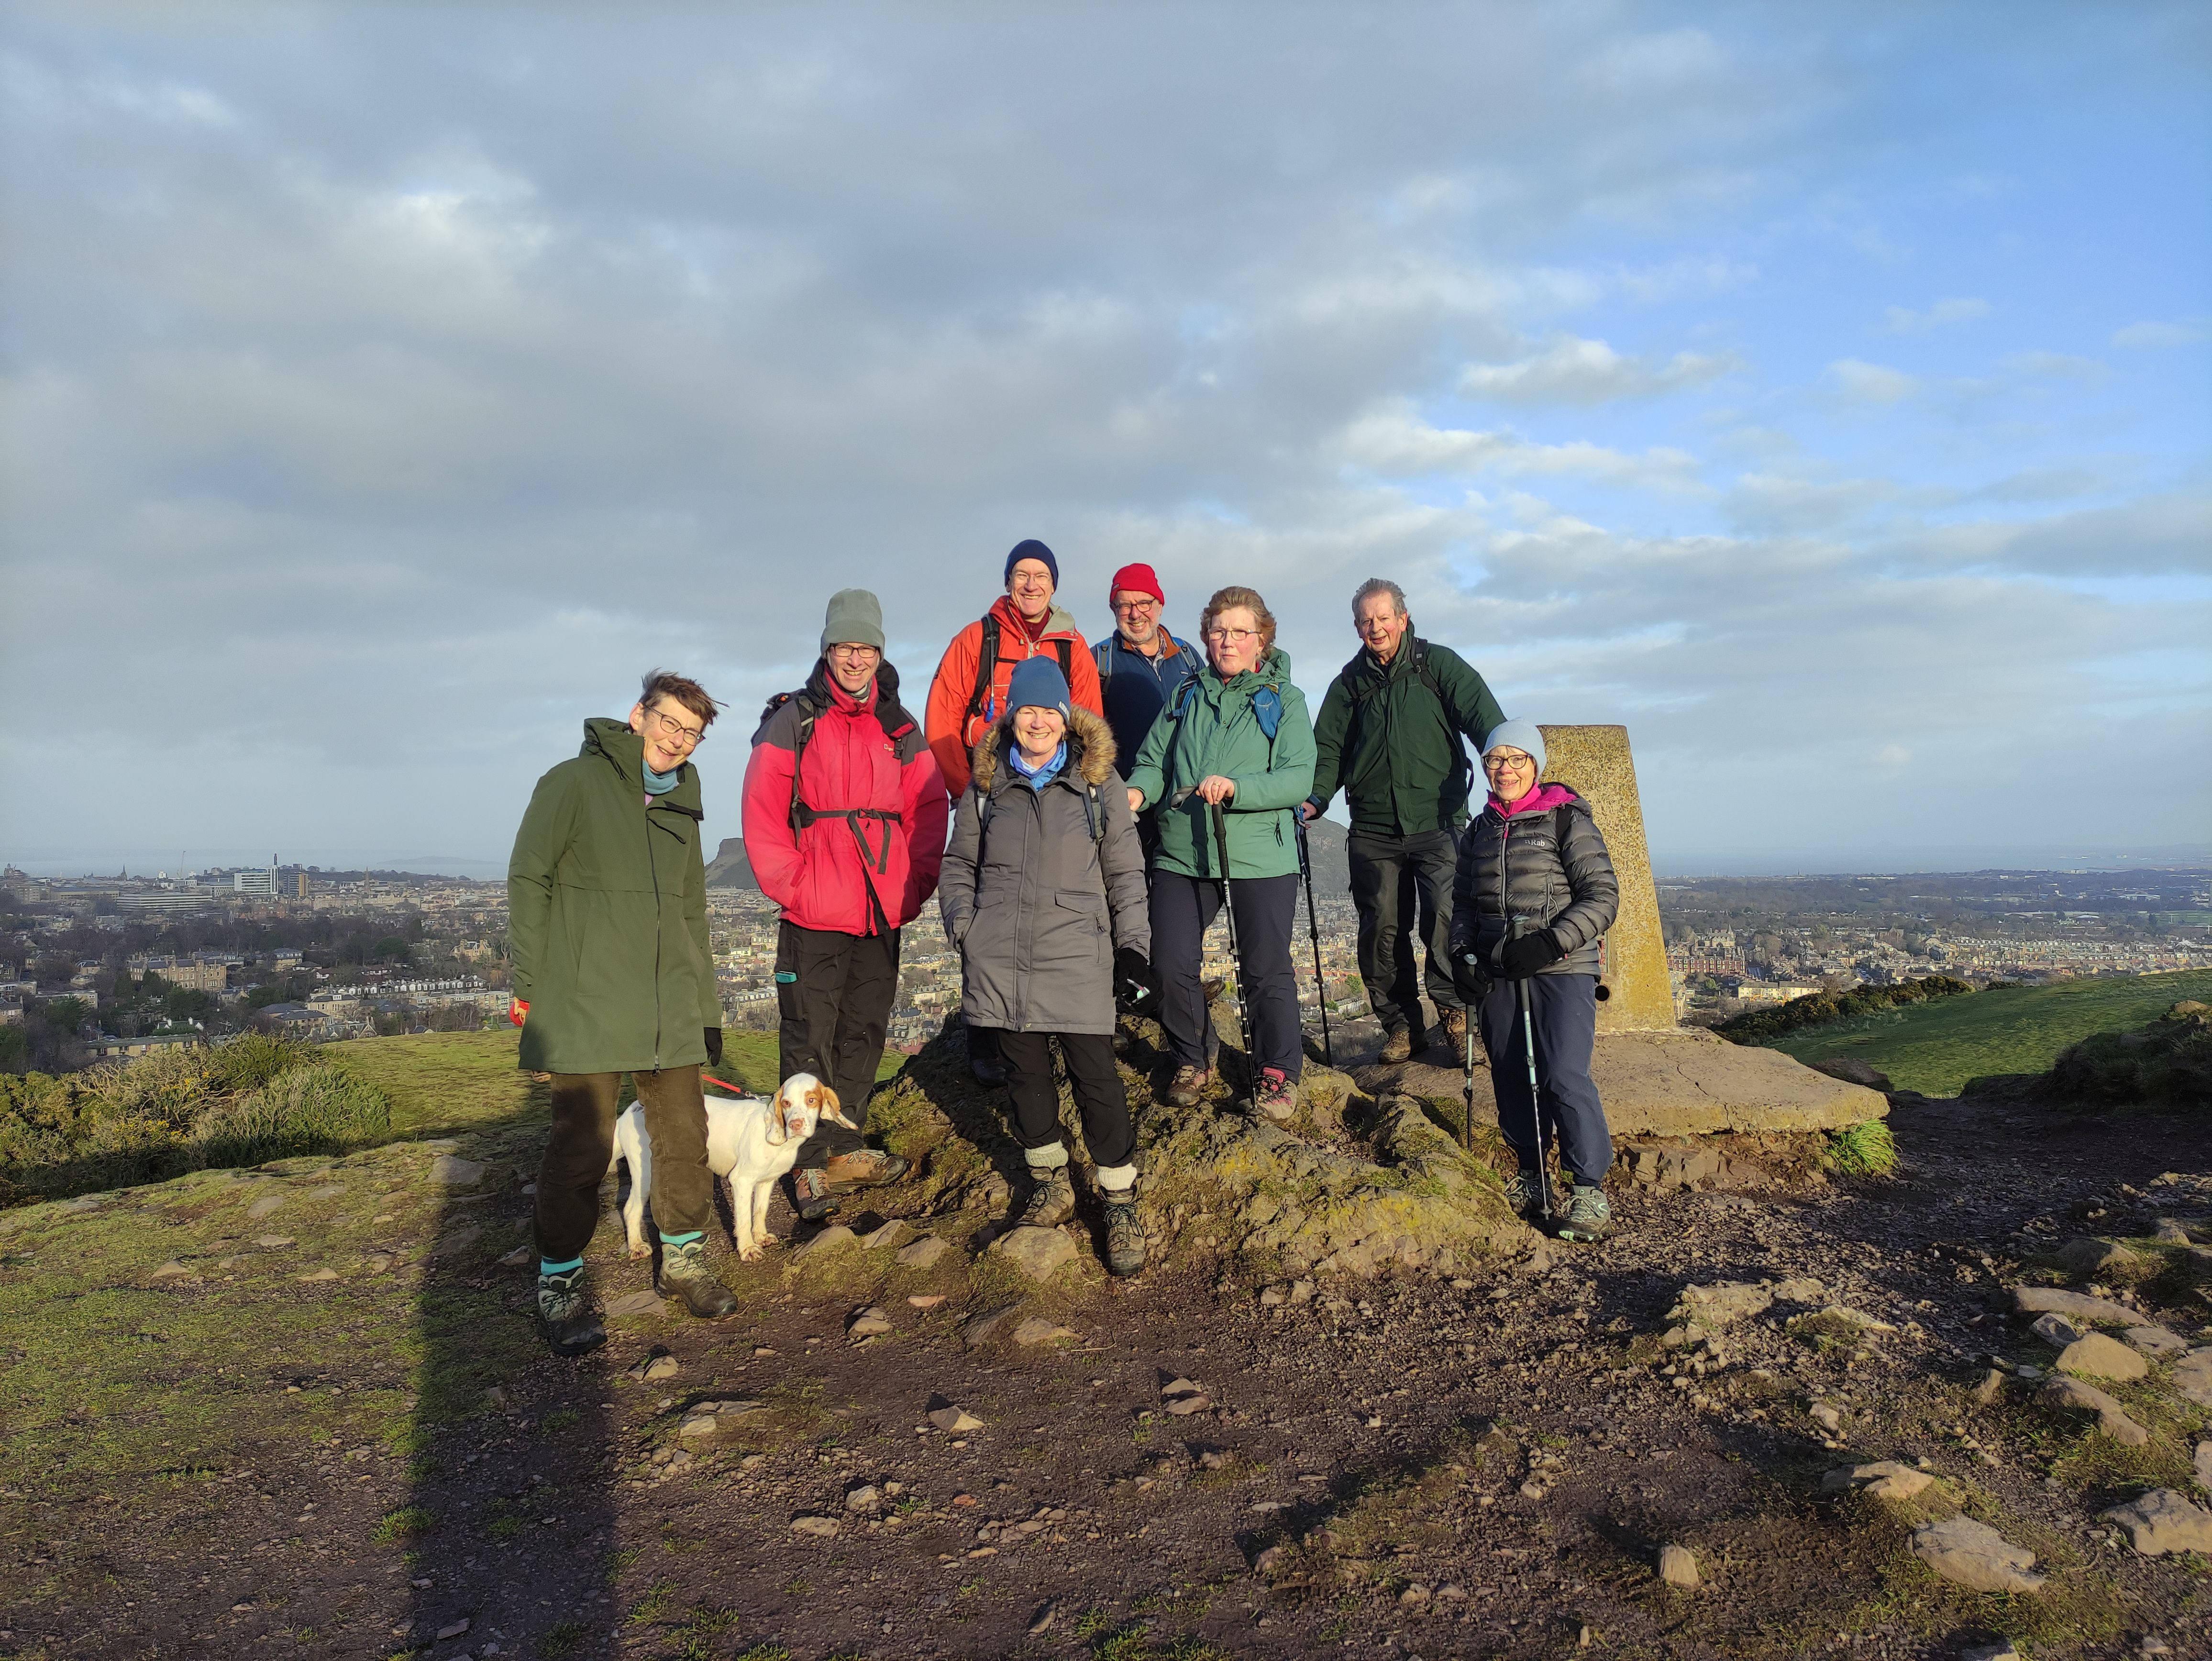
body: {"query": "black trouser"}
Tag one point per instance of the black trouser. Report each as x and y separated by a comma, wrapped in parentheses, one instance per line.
(1092, 1078)
(1264, 908)
(1397, 883)
(582, 1146)
(835, 991)
(1564, 1011)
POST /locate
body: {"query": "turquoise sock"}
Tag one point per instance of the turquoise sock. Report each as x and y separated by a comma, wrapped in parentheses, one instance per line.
(546, 1266)
(683, 1239)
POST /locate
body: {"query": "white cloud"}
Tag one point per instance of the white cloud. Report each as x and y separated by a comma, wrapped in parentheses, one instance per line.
(2190, 332)
(1871, 383)
(1395, 440)
(1898, 320)
(1572, 370)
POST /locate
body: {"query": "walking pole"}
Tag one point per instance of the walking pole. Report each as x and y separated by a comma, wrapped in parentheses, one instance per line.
(1313, 929)
(1466, 1075)
(1236, 957)
(1535, 1106)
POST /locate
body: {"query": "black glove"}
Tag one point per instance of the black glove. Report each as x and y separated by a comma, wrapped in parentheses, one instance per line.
(1133, 981)
(714, 1046)
(1468, 980)
(1529, 955)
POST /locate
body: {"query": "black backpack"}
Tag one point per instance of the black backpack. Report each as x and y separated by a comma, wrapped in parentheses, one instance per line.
(986, 666)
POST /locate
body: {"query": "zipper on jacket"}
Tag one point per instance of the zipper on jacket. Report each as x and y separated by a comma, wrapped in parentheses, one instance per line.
(653, 870)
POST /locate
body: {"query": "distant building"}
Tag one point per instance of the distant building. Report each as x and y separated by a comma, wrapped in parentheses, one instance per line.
(262, 883)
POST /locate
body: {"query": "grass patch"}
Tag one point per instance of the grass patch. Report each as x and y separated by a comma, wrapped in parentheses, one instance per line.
(402, 1524)
(1860, 1150)
(563, 1638)
(655, 1605)
(1936, 1048)
(241, 1102)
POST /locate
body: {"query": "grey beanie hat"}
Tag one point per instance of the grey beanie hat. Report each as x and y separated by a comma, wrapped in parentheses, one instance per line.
(855, 618)
(1523, 736)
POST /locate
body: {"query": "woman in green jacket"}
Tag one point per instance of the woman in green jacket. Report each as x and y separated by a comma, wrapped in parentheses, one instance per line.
(1236, 734)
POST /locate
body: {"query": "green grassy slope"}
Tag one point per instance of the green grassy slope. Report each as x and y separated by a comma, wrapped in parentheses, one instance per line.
(440, 1083)
(1935, 1048)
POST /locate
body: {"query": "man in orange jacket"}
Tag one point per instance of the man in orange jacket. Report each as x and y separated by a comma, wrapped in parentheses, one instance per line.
(970, 691)
(969, 694)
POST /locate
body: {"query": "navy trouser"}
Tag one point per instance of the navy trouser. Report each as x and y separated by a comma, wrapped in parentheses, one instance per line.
(1564, 1011)
(1263, 908)
(834, 993)
(1402, 888)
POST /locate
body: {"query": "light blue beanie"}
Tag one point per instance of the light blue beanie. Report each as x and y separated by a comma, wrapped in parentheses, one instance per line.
(1523, 736)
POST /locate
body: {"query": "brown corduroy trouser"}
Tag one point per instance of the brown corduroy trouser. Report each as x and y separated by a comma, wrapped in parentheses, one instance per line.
(583, 1144)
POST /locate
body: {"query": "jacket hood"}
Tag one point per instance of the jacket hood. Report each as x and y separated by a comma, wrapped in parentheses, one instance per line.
(1057, 620)
(624, 751)
(1089, 749)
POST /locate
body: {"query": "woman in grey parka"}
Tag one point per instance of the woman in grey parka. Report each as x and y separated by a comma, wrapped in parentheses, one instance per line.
(1042, 891)
(1535, 855)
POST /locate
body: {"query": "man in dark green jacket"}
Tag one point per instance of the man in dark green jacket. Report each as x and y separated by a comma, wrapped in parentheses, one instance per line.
(606, 897)
(1388, 733)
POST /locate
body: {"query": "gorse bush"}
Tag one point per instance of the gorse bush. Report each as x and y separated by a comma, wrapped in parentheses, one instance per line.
(2168, 1063)
(236, 1102)
(1762, 1026)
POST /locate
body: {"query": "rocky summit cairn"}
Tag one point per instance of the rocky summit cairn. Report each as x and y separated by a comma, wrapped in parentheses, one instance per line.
(1658, 1080)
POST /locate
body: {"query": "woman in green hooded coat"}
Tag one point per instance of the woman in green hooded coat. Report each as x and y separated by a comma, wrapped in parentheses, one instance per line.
(1238, 735)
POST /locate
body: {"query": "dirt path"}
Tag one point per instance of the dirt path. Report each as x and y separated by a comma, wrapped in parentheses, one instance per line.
(1415, 1465)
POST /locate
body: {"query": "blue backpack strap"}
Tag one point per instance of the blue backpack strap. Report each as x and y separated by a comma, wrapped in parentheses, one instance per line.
(1267, 710)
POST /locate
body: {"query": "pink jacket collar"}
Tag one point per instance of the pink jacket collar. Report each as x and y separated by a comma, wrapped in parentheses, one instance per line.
(1542, 800)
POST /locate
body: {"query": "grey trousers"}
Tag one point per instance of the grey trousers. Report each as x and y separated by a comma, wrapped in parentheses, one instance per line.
(1398, 883)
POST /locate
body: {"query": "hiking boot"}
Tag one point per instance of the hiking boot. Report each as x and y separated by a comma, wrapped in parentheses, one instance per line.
(566, 1314)
(1190, 1084)
(1451, 1029)
(1052, 1200)
(683, 1274)
(1125, 1235)
(1526, 1196)
(1276, 1097)
(1590, 1215)
(809, 1195)
(1397, 1046)
(864, 1167)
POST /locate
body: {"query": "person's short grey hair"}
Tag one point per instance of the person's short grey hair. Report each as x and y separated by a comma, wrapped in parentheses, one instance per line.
(1373, 586)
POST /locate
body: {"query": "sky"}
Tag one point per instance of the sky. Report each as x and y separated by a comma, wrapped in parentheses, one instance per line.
(1823, 393)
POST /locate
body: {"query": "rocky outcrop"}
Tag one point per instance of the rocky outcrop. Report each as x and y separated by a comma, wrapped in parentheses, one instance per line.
(1350, 1184)
(1682, 1082)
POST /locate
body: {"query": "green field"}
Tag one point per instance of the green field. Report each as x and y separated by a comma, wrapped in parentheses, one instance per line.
(440, 1083)
(1935, 1048)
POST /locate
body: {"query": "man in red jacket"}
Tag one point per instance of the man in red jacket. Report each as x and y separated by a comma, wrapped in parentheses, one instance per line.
(844, 827)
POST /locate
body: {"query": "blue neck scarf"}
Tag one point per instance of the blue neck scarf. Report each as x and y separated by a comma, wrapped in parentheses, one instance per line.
(659, 784)
(1043, 774)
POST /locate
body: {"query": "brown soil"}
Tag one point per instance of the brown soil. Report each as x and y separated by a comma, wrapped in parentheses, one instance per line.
(1356, 1485)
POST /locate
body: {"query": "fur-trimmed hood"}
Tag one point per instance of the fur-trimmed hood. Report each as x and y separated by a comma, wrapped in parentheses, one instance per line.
(1090, 748)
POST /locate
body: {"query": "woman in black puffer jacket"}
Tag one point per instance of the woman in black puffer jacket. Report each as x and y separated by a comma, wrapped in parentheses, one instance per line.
(1535, 854)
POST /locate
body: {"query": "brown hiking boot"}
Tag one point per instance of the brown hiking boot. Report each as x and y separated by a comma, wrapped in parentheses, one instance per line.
(809, 1195)
(1451, 1029)
(864, 1167)
(1125, 1235)
(1189, 1084)
(683, 1273)
(1052, 1200)
(1397, 1046)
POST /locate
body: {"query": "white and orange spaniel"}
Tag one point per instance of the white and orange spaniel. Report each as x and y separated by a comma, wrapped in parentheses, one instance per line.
(752, 1141)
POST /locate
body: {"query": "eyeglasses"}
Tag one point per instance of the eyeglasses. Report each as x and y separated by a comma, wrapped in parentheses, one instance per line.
(1142, 603)
(1503, 761)
(1031, 579)
(1231, 636)
(856, 654)
(675, 732)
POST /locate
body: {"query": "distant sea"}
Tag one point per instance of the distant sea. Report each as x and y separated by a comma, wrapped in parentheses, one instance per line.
(147, 862)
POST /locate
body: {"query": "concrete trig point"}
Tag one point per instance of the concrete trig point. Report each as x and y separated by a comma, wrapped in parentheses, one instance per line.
(1595, 763)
